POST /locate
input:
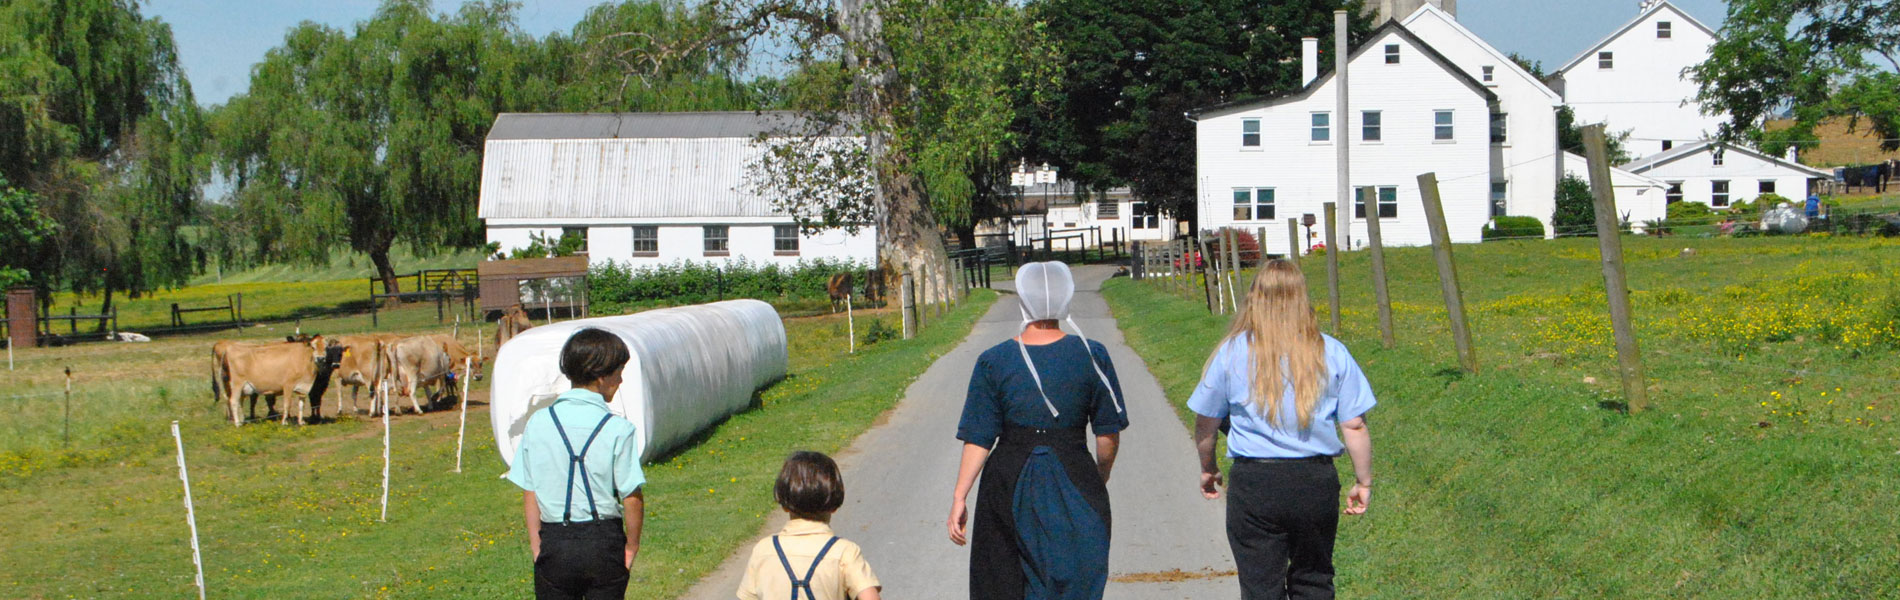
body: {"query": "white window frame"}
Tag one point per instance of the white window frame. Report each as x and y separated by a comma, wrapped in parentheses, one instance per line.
(1391, 54)
(634, 234)
(1248, 199)
(1359, 205)
(1489, 74)
(1719, 199)
(1717, 157)
(1500, 196)
(1665, 30)
(1668, 145)
(1500, 128)
(779, 237)
(1606, 60)
(1770, 183)
(723, 241)
(1319, 129)
(1255, 123)
(1373, 122)
(1449, 130)
(1673, 193)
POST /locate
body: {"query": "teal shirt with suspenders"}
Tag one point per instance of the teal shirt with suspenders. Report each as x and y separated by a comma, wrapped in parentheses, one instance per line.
(573, 447)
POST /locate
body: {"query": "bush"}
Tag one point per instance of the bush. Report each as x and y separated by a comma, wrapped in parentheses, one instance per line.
(1514, 227)
(616, 288)
(879, 331)
(1244, 243)
(1690, 213)
(1576, 212)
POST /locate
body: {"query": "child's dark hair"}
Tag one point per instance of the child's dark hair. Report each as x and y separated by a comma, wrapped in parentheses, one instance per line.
(592, 354)
(809, 485)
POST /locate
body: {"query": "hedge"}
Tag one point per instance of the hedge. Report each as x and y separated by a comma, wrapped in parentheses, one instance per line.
(1514, 227)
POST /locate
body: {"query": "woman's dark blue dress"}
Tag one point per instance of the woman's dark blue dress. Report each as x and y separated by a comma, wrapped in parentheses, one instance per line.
(1042, 521)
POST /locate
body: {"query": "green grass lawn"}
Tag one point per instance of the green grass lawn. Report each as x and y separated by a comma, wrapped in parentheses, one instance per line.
(289, 512)
(1766, 467)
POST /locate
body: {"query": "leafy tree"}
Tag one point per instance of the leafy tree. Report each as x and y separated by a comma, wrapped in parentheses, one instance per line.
(1569, 134)
(928, 85)
(1133, 67)
(96, 118)
(1576, 212)
(25, 234)
(1822, 59)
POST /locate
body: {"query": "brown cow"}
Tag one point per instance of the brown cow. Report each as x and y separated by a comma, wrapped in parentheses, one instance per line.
(513, 321)
(415, 362)
(219, 380)
(840, 289)
(362, 364)
(288, 369)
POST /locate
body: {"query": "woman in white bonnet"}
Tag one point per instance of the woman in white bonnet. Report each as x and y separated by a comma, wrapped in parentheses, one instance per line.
(1042, 518)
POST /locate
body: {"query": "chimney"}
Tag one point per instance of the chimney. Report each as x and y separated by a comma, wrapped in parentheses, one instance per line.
(1309, 60)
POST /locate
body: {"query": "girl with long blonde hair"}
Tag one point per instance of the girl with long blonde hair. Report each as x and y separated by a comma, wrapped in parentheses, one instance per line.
(1295, 399)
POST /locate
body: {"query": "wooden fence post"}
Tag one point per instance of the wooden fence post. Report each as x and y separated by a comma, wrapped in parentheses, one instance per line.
(1332, 261)
(1233, 270)
(1447, 271)
(1207, 276)
(1629, 356)
(66, 422)
(1369, 198)
(1292, 239)
(907, 305)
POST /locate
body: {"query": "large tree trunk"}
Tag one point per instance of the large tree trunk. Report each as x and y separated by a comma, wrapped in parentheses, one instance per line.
(907, 233)
(379, 255)
(105, 309)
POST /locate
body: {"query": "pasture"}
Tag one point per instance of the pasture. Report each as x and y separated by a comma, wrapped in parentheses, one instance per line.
(290, 512)
(1765, 466)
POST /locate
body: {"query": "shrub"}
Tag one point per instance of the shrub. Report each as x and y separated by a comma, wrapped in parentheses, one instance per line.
(1244, 243)
(1576, 212)
(879, 331)
(1768, 201)
(616, 287)
(1514, 227)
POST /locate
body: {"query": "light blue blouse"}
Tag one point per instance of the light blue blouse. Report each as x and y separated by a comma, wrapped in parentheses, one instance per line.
(613, 460)
(1226, 391)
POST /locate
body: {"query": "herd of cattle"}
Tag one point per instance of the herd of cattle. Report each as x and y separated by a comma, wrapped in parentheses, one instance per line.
(301, 367)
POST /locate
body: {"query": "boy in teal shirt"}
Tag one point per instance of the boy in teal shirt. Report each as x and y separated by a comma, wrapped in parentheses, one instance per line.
(579, 467)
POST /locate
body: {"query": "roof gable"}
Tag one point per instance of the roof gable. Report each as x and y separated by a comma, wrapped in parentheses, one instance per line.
(1391, 27)
(1658, 7)
(1430, 11)
(1704, 147)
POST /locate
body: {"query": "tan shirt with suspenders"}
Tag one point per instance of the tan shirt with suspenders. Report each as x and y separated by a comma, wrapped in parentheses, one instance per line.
(806, 552)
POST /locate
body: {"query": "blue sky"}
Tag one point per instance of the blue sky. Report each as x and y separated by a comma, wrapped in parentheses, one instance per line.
(219, 40)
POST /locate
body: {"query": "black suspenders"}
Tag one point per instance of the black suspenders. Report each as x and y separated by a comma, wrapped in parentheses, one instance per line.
(577, 460)
(806, 582)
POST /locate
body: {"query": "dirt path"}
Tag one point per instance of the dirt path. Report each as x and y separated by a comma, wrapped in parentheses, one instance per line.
(1168, 541)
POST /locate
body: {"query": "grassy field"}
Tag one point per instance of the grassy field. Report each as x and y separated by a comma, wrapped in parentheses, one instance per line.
(1764, 469)
(290, 512)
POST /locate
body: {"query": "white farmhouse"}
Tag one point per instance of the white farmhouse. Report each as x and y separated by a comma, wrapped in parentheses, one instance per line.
(1634, 80)
(1718, 174)
(1262, 161)
(649, 188)
(1116, 210)
(1524, 146)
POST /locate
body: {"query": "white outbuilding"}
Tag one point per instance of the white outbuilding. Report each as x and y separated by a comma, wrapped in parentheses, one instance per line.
(651, 188)
(1260, 162)
(1718, 174)
(1639, 199)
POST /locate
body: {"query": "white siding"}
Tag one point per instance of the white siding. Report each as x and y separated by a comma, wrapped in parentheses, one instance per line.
(1743, 170)
(677, 243)
(1644, 91)
(1640, 198)
(1303, 172)
(1529, 154)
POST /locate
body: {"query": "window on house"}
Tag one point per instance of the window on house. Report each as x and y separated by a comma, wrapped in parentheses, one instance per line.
(785, 240)
(1369, 125)
(1391, 54)
(1674, 194)
(1143, 216)
(1250, 133)
(1765, 186)
(1499, 132)
(1322, 127)
(1667, 144)
(1108, 209)
(1489, 73)
(1718, 194)
(1606, 60)
(1499, 192)
(1388, 202)
(1663, 30)
(1715, 158)
(575, 232)
(716, 240)
(1441, 125)
(1253, 204)
(646, 240)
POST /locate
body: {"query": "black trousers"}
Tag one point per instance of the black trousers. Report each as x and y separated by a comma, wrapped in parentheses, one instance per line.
(1282, 516)
(582, 560)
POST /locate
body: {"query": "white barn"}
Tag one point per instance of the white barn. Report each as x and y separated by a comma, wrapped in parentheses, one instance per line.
(1634, 80)
(1524, 145)
(1263, 161)
(649, 188)
(1719, 174)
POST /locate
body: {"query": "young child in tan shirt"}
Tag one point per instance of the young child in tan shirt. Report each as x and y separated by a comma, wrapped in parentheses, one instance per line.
(805, 561)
